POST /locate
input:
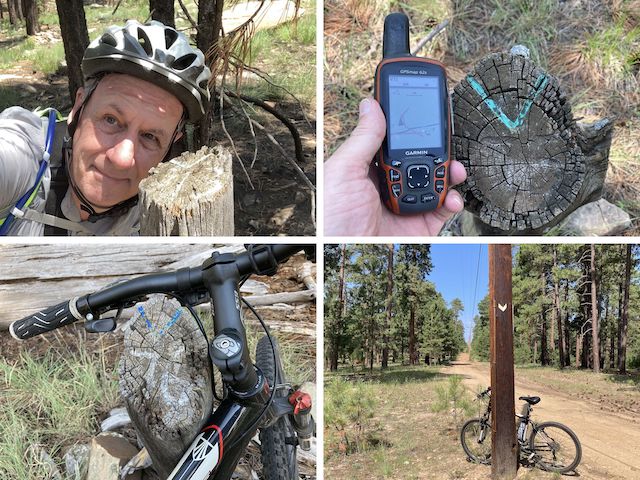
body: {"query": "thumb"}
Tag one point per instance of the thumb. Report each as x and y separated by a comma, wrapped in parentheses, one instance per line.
(365, 140)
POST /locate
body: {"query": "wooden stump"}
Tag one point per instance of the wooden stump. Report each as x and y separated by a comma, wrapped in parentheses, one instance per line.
(165, 379)
(191, 195)
(529, 164)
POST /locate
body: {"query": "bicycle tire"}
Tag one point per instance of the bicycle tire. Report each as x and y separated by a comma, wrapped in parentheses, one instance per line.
(278, 457)
(542, 429)
(472, 429)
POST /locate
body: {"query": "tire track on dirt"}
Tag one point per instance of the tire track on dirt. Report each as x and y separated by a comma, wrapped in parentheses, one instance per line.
(609, 441)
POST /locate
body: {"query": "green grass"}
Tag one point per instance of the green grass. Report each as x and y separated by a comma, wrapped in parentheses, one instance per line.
(615, 51)
(52, 401)
(290, 68)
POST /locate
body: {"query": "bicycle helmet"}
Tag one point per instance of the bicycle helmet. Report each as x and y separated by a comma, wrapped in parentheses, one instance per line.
(156, 53)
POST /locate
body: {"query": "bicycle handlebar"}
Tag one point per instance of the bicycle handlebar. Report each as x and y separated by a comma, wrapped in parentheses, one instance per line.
(257, 260)
(485, 393)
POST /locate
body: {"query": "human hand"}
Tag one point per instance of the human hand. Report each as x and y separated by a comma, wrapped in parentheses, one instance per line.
(352, 204)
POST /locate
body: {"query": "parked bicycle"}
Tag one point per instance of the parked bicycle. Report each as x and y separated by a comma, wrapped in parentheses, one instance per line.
(257, 396)
(551, 446)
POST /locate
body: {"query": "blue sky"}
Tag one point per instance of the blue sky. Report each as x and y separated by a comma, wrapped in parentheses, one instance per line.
(454, 273)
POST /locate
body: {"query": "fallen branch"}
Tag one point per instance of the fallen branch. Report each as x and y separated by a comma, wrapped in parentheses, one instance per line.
(429, 37)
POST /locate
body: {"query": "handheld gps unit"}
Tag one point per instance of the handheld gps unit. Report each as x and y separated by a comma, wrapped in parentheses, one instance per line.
(413, 162)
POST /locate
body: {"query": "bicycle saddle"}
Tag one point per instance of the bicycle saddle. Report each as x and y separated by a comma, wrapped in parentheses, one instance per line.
(530, 400)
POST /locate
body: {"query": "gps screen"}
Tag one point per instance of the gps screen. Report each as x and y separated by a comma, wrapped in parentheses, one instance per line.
(414, 117)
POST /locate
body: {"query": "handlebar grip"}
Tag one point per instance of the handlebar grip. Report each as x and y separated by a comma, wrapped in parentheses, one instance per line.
(43, 321)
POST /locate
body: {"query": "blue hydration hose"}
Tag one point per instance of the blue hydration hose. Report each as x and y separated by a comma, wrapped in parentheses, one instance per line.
(28, 197)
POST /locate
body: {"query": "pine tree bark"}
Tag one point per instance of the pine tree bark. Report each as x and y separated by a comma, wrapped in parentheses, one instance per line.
(595, 337)
(19, 12)
(544, 353)
(11, 8)
(30, 9)
(412, 334)
(163, 11)
(387, 322)
(624, 319)
(75, 37)
(333, 362)
(209, 32)
(556, 309)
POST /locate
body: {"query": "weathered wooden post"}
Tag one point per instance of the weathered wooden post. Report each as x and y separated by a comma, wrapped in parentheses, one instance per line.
(191, 195)
(529, 164)
(165, 379)
(504, 447)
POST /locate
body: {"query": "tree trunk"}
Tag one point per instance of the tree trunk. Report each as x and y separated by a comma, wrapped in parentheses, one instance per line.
(19, 12)
(209, 32)
(11, 8)
(508, 190)
(163, 11)
(578, 350)
(567, 336)
(75, 37)
(165, 380)
(387, 322)
(412, 334)
(594, 314)
(624, 319)
(189, 196)
(336, 335)
(30, 9)
(556, 308)
(544, 354)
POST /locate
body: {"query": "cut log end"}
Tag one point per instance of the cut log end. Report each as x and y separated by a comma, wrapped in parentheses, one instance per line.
(190, 195)
(165, 379)
(516, 136)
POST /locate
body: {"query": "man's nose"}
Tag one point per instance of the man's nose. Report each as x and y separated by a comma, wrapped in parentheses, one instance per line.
(122, 153)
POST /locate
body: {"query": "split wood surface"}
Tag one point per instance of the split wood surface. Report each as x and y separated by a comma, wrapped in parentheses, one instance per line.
(191, 195)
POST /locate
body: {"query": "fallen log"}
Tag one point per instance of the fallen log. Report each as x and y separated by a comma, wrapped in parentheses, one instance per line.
(529, 164)
(191, 195)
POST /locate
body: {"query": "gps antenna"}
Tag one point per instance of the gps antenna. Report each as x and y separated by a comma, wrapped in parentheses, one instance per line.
(395, 39)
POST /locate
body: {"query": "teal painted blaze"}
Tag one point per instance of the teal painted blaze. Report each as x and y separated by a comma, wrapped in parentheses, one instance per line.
(512, 125)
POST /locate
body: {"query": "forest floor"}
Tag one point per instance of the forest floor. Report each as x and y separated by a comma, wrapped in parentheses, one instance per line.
(412, 441)
(270, 199)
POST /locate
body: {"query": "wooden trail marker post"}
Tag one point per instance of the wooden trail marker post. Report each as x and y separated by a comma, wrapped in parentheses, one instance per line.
(191, 195)
(530, 165)
(504, 447)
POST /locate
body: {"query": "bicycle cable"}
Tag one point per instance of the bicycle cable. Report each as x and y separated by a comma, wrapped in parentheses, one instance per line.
(275, 378)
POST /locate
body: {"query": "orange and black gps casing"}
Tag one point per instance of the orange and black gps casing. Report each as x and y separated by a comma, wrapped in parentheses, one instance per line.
(413, 170)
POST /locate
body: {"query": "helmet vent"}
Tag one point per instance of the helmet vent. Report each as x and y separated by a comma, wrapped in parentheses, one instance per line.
(109, 40)
(170, 36)
(144, 41)
(184, 62)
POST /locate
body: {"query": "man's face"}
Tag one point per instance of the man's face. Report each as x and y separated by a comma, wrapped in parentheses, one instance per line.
(124, 130)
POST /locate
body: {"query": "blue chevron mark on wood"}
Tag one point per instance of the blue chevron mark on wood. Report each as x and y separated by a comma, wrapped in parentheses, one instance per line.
(512, 125)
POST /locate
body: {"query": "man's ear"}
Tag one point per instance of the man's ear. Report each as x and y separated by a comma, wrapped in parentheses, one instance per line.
(77, 105)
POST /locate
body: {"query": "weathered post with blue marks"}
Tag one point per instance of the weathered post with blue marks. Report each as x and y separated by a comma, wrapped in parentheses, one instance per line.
(165, 379)
(529, 164)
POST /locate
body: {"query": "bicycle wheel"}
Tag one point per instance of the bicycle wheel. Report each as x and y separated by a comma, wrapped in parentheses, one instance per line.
(475, 437)
(278, 455)
(556, 447)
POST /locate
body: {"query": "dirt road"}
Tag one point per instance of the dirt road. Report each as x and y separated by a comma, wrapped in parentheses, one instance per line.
(610, 442)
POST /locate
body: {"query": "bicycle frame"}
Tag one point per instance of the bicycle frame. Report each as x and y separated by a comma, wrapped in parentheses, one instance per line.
(250, 402)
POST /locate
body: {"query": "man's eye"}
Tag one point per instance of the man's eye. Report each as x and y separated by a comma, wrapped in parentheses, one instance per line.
(110, 120)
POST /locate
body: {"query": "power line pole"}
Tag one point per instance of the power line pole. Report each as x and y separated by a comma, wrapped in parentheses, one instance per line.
(504, 447)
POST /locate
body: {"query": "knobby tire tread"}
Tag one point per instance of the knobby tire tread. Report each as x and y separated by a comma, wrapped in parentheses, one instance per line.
(278, 457)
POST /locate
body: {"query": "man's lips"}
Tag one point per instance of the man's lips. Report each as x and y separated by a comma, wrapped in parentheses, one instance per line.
(108, 176)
